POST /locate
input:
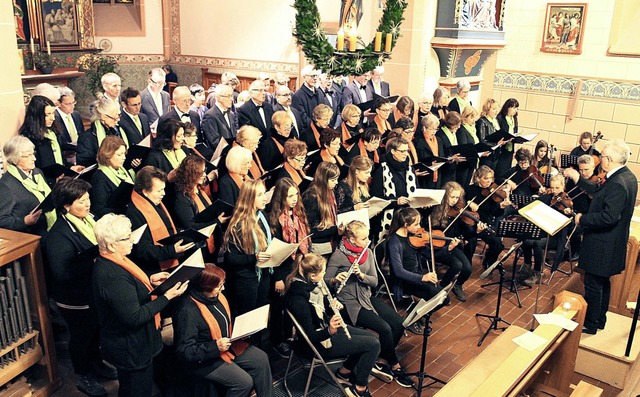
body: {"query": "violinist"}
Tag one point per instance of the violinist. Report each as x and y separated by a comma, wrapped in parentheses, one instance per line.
(559, 200)
(482, 193)
(452, 255)
(527, 181)
(410, 276)
(585, 142)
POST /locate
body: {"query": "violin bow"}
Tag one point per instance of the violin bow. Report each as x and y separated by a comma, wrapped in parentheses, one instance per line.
(457, 216)
(496, 189)
(432, 268)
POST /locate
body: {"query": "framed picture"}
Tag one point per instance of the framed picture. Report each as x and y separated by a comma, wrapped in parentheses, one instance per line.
(564, 28)
(23, 16)
(60, 23)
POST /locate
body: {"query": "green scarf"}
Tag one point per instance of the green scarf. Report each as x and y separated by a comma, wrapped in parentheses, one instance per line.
(462, 103)
(472, 132)
(101, 133)
(38, 188)
(494, 121)
(511, 124)
(55, 146)
(452, 137)
(115, 176)
(84, 226)
(175, 157)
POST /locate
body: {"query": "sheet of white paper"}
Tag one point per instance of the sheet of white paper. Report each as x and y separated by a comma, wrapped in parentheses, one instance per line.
(556, 319)
(631, 305)
(207, 230)
(528, 137)
(545, 217)
(279, 251)
(146, 142)
(435, 166)
(376, 205)
(136, 235)
(361, 215)
(251, 322)
(218, 152)
(269, 194)
(422, 198)
(530, 341)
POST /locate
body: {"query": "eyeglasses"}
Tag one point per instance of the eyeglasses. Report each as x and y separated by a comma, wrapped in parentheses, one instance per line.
(605, 157)
(385, 109)
(68, 103)
(28, 155)
(225, 96)
(160, 83)
(286, 127)
(403, 150)
(300, 159)
(114, 118)
(287, 94)
(128, 238)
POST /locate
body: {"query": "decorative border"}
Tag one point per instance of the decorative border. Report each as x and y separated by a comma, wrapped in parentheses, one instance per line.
(567, 85)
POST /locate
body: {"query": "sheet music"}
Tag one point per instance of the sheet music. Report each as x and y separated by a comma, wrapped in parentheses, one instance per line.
(136, 235)
(361, 215)
(86, 169)
(530, 341)
(435, 166)
(376, 206)
(556, 319)
(545, 217)
(218, 152)
(528, 137)
(279, 251)
(269, 194)
(422, 198)
(146, 142)
(207, 230)
(251, 322)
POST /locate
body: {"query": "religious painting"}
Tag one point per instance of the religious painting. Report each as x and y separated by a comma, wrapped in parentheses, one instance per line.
(564, 28)
(60, 23)
(21, 14)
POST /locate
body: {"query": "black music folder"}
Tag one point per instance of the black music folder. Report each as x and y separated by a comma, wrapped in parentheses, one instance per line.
(190, 235)
(190, 268)
(212, 212)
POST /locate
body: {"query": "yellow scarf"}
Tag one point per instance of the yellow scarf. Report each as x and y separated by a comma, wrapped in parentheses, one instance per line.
(55, 146)
(38, 188)
(175, 157)
(84, 226)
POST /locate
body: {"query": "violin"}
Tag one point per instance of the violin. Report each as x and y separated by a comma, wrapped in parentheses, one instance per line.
(422, 238)
(562, 201)
(497, 195)
(549, 168)
(535, 179)
(468, 217)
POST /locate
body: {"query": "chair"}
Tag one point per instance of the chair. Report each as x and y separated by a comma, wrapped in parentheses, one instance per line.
(379, 252)
(309, 362)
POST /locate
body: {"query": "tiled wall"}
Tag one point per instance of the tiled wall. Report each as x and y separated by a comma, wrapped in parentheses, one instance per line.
(545, 102)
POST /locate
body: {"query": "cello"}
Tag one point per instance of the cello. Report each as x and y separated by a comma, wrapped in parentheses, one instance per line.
(596, 159)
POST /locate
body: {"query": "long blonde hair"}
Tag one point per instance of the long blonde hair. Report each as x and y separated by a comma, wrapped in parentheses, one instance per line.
(324, 196)
(360, 189)
(244, 230)
(439, 215)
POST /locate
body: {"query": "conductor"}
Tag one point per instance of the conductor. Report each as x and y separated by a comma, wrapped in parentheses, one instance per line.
(606, 229)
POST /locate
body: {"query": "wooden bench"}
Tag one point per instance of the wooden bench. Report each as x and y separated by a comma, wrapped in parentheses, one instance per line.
(506, 369)
(585, 389)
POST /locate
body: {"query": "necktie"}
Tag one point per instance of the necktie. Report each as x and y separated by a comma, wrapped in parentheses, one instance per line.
(261, 111)
(73, 133)
(136, 121)
(185, 117)
(362, 87)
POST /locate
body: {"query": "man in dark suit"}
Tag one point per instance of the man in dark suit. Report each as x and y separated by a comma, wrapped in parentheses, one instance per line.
(67, 117)
(378, 86)
(357, 91)
(283, 102)
(155, 102)
(606, 229)
(134, 123)
(218, 122)
(182, 112)
(308, 96)
(331, 99)
(256, 112)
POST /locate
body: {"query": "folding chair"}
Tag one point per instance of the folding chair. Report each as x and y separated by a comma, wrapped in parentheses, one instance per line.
(310, 362)
(379, 252)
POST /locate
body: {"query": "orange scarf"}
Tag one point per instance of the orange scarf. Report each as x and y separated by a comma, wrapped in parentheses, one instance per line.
(413, 159)
(316, 134)
(201, 207)
(278, 145)
(237, 178)
(363, 152)
(237, 346)
(382, 125)
(256, 169)
(433, 145)
(133, 269)
(324, 153)
(295, 174)
(156, 225)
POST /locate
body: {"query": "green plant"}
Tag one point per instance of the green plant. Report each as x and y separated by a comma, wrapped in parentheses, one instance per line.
(94, 66)
(42, 60)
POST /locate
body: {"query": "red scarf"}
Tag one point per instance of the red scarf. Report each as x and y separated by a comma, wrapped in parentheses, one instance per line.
(293, 229)
(201, 207)
(156, 225)
(133, 269)
(237, 346)
(353, 252)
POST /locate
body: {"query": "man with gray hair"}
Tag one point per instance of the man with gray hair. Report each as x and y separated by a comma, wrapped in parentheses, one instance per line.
(182, 112)
(606, 229)
(111, 84)
(308, 96)
(376, 83)
(48, 91)
(219, 121)
(67, 117)
(155, 101)
(256, 111)
(283, 102)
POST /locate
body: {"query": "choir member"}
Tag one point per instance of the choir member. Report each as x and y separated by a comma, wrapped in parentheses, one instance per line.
(368, 145)
(245, 242)
(256, 111)
(109, 176)
(461, 100)
(508, 121)
(440, 101)
(403, 108)
(330, 151)
(271, 149)
(104, 122)
(134, 123)
(427, 146)
(238, 164)
(128, 315)
(487, 125)
(447, 134)
(320, 203)
(327, 331)
(363, 309)
(382, 109)
(321, 117)
(353, 192)
(295, 156)
(351, 126)
(585, 141)
(167, 152)
(202, 327)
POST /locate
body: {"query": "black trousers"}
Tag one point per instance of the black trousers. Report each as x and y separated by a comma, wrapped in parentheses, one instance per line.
(248, 370)
(136, 383)
(457, 263)
(387, 324)
(84, 338)
(537, 247)
(494, 247)
(597, 291)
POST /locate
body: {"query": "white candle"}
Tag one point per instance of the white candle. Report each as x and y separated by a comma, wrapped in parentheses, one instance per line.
(48, 47)
(33, 47)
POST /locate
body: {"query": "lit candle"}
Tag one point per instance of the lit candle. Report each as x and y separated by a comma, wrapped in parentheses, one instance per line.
(340, 43)
(353, 40)
(378, 43)
(387, 43)
(48, 47)
(33, 46)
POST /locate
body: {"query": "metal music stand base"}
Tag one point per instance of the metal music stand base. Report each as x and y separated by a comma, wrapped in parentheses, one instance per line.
(495, 319)
(421, 374)
(512, 282)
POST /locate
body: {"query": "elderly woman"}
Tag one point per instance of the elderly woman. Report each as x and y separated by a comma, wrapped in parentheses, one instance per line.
(128, 315)
(321, 118)
(424, 108)
(146, 208)
(295, 156)
(202, 327)
(109, 176)
(368, 145)
(40, 127)
(167, 153)
(404, 108)
(24, 188)
(428, 145)
(249, 138)
(460, 102)
(271, 149)
(351, 126)
(71, 255)
(330, 151)
(104, 122)
(238, 162)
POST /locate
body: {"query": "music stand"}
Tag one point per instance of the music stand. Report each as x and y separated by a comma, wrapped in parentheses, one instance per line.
(425, 309)
(521, 200)
(546, 179)
(568, 160)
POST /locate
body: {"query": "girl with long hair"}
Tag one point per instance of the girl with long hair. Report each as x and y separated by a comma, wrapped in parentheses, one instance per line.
(246, 240)
(307, 302)
(353, 192)
(487, 125)
(322, 210)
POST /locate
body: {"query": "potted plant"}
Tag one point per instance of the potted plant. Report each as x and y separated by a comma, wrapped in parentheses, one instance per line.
(44, 62)
(94, 66)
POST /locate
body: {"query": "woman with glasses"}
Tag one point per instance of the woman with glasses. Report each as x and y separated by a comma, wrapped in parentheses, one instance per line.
(382, 108)
(424, 108)
(271, 149)
(109, 176)
(104, 122)
(295, 157)
(368, 145)
(351, 125)
(429, 146)
(322, 115)
(330, 149)
(128, 315)
(461, 100)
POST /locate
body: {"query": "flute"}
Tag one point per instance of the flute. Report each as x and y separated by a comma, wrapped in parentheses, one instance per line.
(352, 269)
(335, 305)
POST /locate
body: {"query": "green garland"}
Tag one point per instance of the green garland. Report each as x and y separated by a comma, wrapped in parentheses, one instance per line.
(310, 35)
